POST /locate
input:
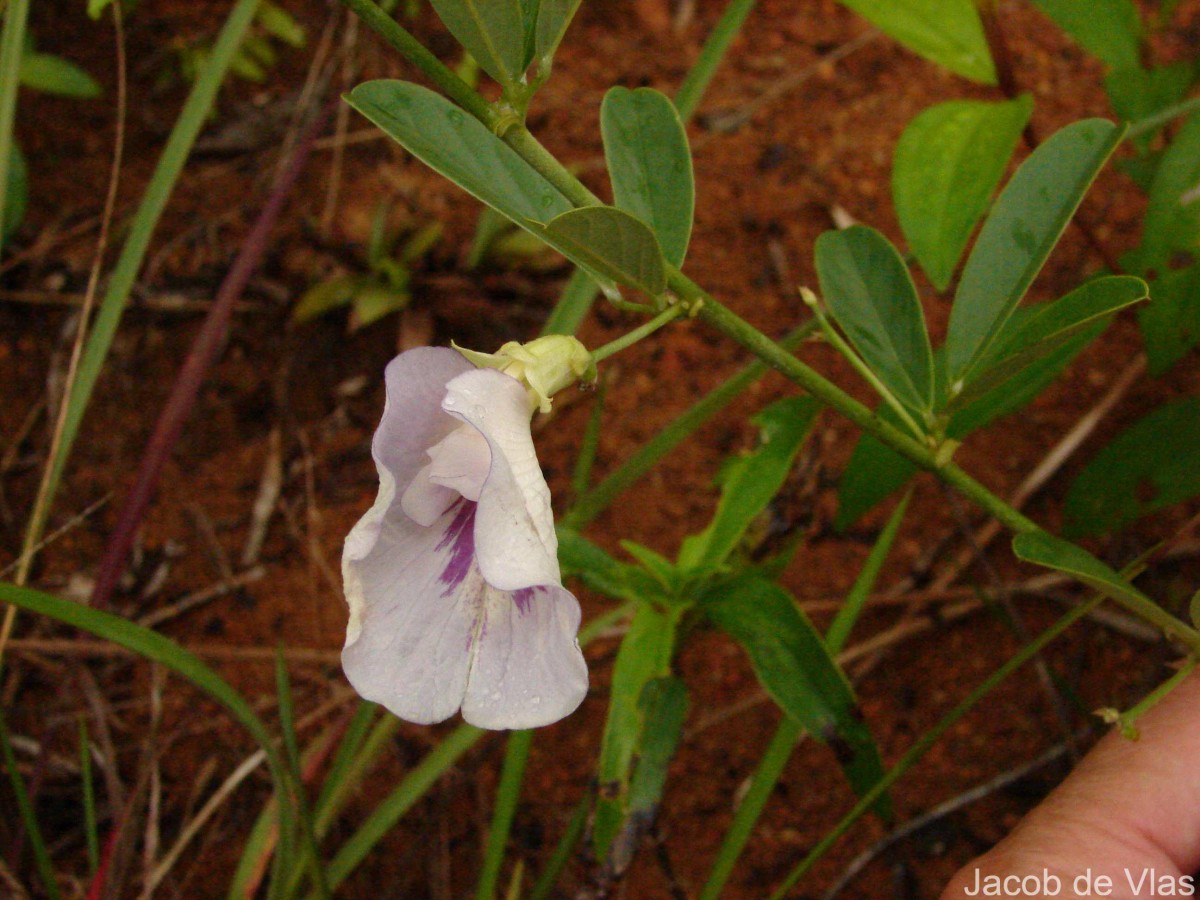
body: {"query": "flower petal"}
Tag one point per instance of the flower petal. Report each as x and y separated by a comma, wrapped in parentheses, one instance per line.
(405, 643)
(528, 669)
(412, 420)
(514, 527)
(417, 600)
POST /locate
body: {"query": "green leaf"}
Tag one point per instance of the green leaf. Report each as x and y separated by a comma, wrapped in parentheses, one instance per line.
(1136, 93)
(1171, 225)
(650, 165)
(948, 32)
(796, 668)
(661, 569)
(1028, 338)
(871, 295)
(875, 470)
(1170, 322)
(873, 473)
(492, 31)
(663, 706)
(27, 814)
(1022, 388)
(749, 482)
(1044, 549)
(16, 196)
(55, 75)
(609, 242)
(155, 647)
(856, 601)
(947, 164)
(279, 23)
(326, 296)
(645, 655)
(1110, 30)
(1150, 466)
(599, 571)
(373, 300)
(460, 147)
(553, 19)
(664, 703)
(1024, 225)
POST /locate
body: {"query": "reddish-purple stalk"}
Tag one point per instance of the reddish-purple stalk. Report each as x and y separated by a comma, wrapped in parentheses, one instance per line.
(200, 359)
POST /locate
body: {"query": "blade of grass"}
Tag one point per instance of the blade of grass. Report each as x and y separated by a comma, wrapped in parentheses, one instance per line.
(930, 737)
(573, 304)
(158, 648)
(191, 119)
(562, 852)
(350, 749)
(287, 724)
(91, 830)
(12, 47)
(258, 848)
(581, 476)
(357, 754)
(696, 82)
(779, 751)
(843, 622)
(28, 815)
(745, 817)
(595, 501)
(507, 795)
(400, 800)
(35, 526)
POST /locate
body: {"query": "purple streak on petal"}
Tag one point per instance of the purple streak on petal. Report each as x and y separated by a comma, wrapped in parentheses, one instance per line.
(460, 538)
(523, 598)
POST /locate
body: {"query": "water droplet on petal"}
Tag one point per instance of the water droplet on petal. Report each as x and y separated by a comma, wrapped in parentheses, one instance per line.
(536, 701)
(479, 411)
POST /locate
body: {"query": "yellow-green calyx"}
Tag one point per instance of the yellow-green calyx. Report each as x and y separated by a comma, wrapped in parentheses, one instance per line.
(545, 365)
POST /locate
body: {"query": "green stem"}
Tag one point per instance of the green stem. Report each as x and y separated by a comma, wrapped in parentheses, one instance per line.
(12, 47)
(766, 776)
(544, 886)
(153, 202)
(435, 70)
(732, 326)
(687, 98)
(642, 331)
(929, 738)
(1127, 722)
(581, 477)
(27, 814)
(1162, 117)
(838, 343)
(507, 794)
(595, 501)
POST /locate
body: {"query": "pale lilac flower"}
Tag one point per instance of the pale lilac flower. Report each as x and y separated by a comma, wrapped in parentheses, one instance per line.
(456, 599)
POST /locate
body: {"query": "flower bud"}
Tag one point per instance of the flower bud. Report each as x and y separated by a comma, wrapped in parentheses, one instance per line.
(545, 365)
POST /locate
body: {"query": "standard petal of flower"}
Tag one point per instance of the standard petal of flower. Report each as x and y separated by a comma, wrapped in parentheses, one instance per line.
(514, 530)
(528, 669)
(419, 600)
(412, 422)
